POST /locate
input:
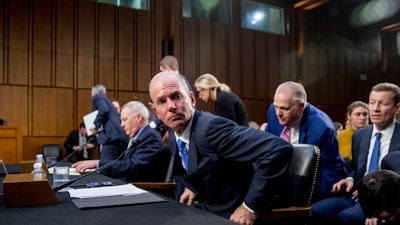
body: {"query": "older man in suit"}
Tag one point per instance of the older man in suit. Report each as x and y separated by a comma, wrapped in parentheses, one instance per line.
(293, 118)
(226, 169)
(369, 146)
(146, 158)
(109, 133)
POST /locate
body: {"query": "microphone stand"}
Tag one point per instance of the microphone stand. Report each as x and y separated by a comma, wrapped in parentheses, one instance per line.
(66, 184)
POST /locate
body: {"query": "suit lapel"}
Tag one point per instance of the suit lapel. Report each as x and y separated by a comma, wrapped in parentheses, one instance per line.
(192, 145)
(364, 149)
(395, 142)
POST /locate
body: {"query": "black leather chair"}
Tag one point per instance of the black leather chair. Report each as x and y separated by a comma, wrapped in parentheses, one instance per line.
(293, 203)
(52, 150)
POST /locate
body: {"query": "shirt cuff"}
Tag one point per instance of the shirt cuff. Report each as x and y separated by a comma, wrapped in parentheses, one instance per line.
(248, 208)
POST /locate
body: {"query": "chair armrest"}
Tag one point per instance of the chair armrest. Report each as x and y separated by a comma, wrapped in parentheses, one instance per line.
(155, 185)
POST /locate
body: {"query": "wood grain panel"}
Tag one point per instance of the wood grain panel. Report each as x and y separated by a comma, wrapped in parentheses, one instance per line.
(144, 36)
(272, 68)
(257, 110)
(125, 75)
(219, 49)
(42, 25)
(2, 40)
(16, 100)
(41, 68)
(234, 62)
(33, 145)
(125, 33)
(189, 46)
(86, 28)
(18, 24)
(84, 105)
(64, 70)
(204, 50)
(64, 29)
(106, 72)
(248, 72)
(85, 72)
(11, 144)
(18, 67)
(143, 80)
(261, 61)
(52, 111)
(106, 30)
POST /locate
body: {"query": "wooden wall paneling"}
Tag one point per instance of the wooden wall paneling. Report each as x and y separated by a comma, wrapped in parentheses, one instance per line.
(219, 48)
(261, 63)
(256, 109)
(18, 34)
(106, 45)
(86, 40)
(322, 89)
(144, 76)
(64, 43)
(52, 111)
(189, 49)
(126, 48)
(84, 106)
(274, 75)
(2, 40)
(41, 66)
(285, 58)
(349, 72)
(106, 72)
(18, 67)
(125, 33)
(342, 79)
(42, 25)
(234, 59)
(333, 77)
(206, 58)
(15, 98)
(247, 76)
(18, 24)
(33, 145)
(64, 70)
(144, 37)
(126, 79)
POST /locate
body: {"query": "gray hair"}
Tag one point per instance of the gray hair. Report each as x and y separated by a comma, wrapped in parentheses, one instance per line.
(297, 89)
(99, 89)
(136, 107)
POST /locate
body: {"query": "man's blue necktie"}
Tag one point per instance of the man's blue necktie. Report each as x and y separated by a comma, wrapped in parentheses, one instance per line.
(183, 153)
(374, 162)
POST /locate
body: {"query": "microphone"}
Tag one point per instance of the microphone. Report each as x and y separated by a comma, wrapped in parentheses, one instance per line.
(66, 184)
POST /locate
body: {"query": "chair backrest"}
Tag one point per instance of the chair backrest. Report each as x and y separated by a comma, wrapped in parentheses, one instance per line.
(298, 185)
(54, 150)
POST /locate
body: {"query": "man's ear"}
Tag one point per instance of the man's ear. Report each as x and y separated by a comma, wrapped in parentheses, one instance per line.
(192, 97)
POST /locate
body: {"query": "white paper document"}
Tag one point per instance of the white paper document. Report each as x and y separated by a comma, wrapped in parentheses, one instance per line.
(88, 119)
(126, 189)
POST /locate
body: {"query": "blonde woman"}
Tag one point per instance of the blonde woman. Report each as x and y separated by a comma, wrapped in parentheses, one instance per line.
(227, 104)
(357, 115)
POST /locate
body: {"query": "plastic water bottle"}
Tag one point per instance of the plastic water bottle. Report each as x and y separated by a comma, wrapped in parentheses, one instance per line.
(37, 168)
(39, 158)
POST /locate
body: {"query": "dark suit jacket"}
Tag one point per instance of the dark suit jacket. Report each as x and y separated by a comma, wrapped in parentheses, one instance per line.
(73, 140)
(220, 157)
(108, 118)
(360, 145)
(316, 128)
(145, 161)
(230, 106)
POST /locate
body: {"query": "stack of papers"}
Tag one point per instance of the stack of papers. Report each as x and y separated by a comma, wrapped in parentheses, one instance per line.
(116, 190)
